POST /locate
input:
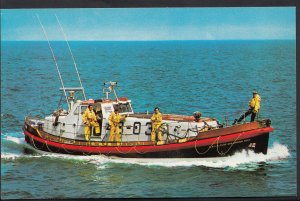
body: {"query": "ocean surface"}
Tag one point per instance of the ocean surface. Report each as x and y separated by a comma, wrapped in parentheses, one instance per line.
(214, 77)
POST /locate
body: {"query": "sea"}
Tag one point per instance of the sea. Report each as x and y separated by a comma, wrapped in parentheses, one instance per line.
(180, 77)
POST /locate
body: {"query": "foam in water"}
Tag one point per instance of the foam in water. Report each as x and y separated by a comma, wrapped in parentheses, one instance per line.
(275, 153)
(16, 140)
(10, 156)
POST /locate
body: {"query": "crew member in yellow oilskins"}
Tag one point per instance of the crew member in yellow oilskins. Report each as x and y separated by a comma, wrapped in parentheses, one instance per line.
(114, 119)
(156, 122)
(89, 119)
(254, 107)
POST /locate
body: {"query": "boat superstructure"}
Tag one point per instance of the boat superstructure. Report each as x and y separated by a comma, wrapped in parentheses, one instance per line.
(136, 127)
(183, 136)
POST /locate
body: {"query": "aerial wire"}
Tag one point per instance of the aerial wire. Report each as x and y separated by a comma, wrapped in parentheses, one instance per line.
(75, 65)
(62, 84)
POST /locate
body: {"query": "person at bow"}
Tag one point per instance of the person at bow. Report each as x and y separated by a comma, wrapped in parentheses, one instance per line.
(254, 107)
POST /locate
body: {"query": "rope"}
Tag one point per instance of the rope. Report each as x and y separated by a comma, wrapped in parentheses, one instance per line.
(88, 153)
(123, 152)
(186, 133)
(34, 144)
(59, 102)
(223, 153)
(66, 150)
(165, 131)
(102, 153)
(88, 145)
(50, 149)
(208, 147)
(105, 153)
(138, 151)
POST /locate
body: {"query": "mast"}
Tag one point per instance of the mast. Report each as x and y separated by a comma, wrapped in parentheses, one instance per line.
(110, 88)
(65, 37)
(61, 81)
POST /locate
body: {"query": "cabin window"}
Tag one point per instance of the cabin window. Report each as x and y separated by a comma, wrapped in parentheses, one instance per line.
(83, 108)
(149, 128)
(123, 107)
(107, 109)
(76, 111)
(137, 128)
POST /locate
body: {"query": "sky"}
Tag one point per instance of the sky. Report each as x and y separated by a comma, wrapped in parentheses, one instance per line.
(146, 24)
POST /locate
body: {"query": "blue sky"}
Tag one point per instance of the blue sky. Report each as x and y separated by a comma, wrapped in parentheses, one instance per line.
(151, 23)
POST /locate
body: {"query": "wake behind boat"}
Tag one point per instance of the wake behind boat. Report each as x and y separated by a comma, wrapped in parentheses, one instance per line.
(65, 131)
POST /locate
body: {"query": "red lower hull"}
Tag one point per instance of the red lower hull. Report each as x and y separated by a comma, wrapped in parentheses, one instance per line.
(208, 147)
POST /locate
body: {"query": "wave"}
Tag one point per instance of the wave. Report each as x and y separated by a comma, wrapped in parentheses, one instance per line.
(4, 135)
(240, 160)
(15, 140)
(276, 153)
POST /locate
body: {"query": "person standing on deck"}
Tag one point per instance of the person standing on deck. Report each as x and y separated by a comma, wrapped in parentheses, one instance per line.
(156, 122)
(114, 119)
(254, 107)
(89, 119)
(99, 117)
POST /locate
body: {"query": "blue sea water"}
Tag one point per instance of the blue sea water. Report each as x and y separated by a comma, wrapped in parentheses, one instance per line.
(214, 77)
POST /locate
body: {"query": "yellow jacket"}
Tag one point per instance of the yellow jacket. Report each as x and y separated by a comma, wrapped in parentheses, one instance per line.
(255, 103)
(156, 118)
(115, 119)
(88, 116)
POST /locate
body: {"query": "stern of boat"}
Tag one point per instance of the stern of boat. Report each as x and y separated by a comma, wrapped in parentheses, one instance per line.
(33, 125)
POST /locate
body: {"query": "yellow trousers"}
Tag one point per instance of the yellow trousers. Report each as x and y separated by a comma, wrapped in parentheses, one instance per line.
(87, 130)
(114, 132)
(153, 133)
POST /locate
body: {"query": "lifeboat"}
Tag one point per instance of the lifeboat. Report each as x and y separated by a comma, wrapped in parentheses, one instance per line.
(183, 136)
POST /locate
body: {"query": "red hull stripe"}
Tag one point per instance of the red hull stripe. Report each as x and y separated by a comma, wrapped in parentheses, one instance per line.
(154, 148)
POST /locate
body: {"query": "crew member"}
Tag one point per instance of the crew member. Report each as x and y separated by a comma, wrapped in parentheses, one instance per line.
(197, 116)
(89, 120)
(156, 122)
(254, 106)
(98, 113)
(114, 119)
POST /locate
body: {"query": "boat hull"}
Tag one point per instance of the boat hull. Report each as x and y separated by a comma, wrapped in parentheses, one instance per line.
(217, 146)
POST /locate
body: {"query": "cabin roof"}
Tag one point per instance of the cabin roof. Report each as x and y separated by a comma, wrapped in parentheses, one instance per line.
(120, 100)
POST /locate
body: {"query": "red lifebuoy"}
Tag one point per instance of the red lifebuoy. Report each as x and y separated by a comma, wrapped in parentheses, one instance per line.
(123, 99)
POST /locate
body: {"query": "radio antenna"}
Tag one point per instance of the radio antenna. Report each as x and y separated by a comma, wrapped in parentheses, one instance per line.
(61, 28)
(62, 84)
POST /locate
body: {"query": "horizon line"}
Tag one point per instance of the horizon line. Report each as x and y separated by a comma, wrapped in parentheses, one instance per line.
(143, 40)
